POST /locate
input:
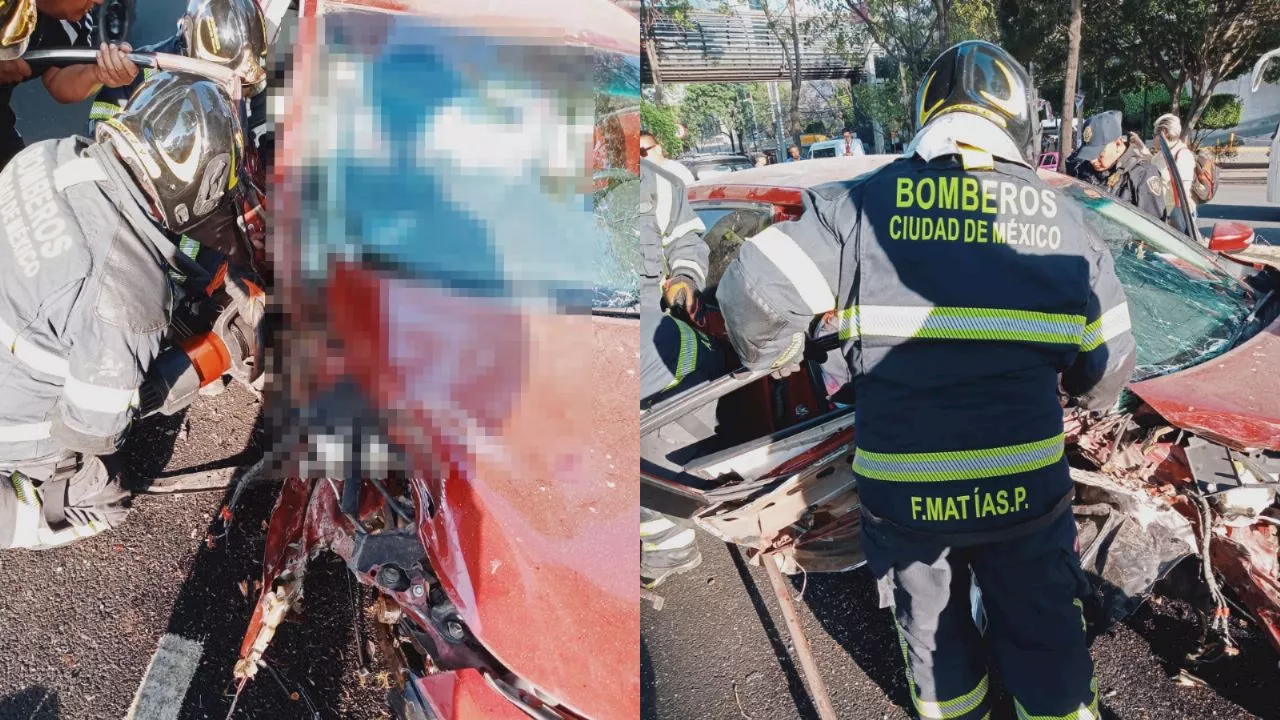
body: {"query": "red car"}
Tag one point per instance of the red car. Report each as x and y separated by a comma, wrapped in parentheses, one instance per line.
(1194, 441)
(443, 367)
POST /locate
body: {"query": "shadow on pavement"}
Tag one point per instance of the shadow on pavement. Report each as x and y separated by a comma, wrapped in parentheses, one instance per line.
(312, 651)
(1173, 632)
(648, 684)
(33, 703)
(847, 605)
(795, 685)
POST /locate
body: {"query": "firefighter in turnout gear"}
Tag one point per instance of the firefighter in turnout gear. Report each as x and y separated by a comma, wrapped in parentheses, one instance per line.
(85, 295)
(966, 289)
(231, 33)
(1121, 163)
(673, 351)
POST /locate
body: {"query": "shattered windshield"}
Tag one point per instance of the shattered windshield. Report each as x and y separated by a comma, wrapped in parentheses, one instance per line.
(1183, 308)
(616, 165)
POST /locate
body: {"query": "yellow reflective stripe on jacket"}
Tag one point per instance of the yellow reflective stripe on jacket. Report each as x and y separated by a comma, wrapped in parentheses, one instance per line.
(1080, 713)
(1110, 325)
(960, 323)
(942, 709)
(958, 464)
(688, 358)
(102, 110)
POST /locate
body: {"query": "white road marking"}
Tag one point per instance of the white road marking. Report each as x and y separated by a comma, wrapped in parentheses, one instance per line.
(164, 685)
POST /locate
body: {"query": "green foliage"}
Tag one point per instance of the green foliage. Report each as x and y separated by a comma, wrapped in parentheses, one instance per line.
(661, 121)
(1222, 113)
(709, 109)
(880, 102)
(815, 126)
(973, 20)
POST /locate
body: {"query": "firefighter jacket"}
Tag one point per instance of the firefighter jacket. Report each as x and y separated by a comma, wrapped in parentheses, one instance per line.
(84, 300)
(670, 234)
(964, 286)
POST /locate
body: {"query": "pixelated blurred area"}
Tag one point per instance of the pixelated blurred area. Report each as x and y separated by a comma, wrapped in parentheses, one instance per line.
(455, 256)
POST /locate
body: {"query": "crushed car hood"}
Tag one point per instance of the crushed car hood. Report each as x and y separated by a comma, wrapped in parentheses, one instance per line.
(533, 539)
(1233, 399)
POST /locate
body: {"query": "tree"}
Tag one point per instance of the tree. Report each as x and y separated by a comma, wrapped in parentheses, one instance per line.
(1221, 113)
(661, 121)
(651, 11)
(712, 109)
(1201, 43)
(914, 32)
(791, 30)
(881, 103)
(1067, 128)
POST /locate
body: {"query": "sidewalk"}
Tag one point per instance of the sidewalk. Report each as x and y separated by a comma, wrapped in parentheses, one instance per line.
(1248, 157)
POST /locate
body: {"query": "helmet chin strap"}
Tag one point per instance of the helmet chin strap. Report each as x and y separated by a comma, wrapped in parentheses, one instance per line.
(132, 209)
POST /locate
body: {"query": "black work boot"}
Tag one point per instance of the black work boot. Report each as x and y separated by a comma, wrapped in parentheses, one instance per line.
(668, 546)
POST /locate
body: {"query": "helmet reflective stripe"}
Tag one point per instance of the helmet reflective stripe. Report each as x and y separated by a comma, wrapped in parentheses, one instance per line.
(979, 78)
(1007, 104)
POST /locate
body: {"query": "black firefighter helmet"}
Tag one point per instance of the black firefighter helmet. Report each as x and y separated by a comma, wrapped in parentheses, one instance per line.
(231, 33)
(180, 136)
(17, 21)
(982, 79)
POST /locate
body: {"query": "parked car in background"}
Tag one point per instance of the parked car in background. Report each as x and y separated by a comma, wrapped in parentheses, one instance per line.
(834, 148)
(709, 166)
(1193, 444)
(1049, 161)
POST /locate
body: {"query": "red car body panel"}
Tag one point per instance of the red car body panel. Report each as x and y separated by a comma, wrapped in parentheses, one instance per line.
(465, 694)
(533, 533)
(531, 526)
(1233, 399)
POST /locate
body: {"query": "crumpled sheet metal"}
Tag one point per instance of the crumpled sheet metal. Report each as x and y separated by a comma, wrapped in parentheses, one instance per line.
(1129, 539)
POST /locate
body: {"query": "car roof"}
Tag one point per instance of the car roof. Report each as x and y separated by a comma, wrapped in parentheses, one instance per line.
(805, 174)
(716, 158)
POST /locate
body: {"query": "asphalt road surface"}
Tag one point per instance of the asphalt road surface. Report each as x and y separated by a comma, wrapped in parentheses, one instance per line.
(719, 649)
(1243, 203)
(81, 623)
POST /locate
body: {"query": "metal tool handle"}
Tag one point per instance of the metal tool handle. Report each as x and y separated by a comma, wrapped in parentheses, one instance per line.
(225, 77)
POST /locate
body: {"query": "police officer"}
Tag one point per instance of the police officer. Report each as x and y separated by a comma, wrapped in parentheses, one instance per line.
(57, 24)
(1121, 163)
(231, 33)
(85, 295)
(673, 351)
(966, 289)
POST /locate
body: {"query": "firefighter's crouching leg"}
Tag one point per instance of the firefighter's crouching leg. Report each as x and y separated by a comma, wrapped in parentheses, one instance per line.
(928, 589)
(54, 503)
(668, 546)
(1032, 589)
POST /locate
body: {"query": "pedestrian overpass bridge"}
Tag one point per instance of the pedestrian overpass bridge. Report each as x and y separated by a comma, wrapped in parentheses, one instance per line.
(740, 47)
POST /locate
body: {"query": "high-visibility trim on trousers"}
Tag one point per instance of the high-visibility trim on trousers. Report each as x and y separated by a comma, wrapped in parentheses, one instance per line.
(1080, 713)
(688, 358)
(960, 323)
(684, 538)
(958, 464)
(941, 709)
